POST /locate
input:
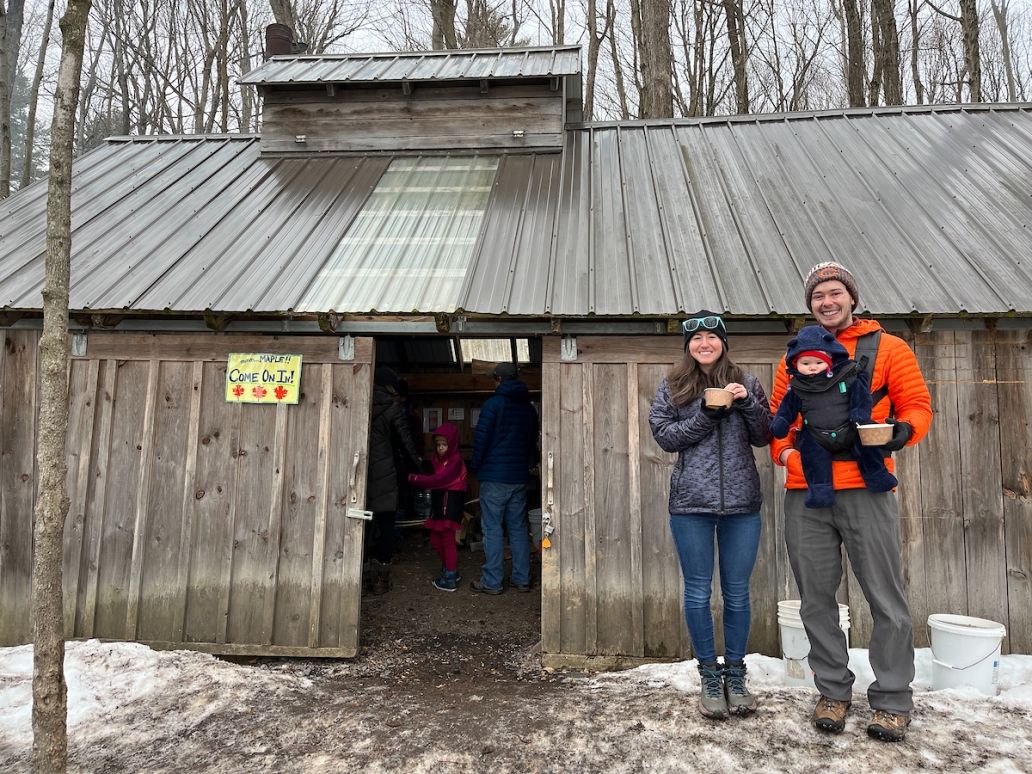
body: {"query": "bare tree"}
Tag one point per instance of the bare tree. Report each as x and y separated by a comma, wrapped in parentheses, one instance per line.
(443, 14)
(1000, 11)
(657, 96)
(49, 691)
(282, 12)
(37, 79)
(736, 32)
(972, 54)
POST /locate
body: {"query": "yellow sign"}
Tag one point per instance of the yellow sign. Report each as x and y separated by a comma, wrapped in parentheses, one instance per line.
(253, 378)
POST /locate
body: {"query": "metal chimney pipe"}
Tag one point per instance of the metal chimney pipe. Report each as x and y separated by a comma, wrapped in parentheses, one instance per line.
(279, 41)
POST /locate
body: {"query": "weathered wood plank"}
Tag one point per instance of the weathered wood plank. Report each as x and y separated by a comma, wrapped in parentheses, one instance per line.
(456, 116)
(591, 545)
(420, 93)
(661, 349)
(634, 521)
(17, 483)
(299, 508)
(551, 584)
(359, 385)
(274, 532)
(187, 507)
(82, 393)
(97, 498)
(142, 514)
(271, 651)
(663, 618)
(121, 505)
(322, 495)
(613, 536)
(980, 472)
(570, 540)
(763, 586)
(211, 346)
(941, 493)
(1014, 375)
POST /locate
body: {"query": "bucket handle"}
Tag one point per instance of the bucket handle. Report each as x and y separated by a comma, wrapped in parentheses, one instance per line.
(944, 665)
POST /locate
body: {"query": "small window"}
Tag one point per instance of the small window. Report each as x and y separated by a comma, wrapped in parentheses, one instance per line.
(494, 350)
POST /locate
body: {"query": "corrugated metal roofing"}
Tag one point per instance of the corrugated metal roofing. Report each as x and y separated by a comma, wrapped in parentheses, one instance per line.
(418, 66)
(930, 208)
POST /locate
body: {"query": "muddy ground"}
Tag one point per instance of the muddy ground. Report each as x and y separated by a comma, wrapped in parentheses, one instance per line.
(453, 683)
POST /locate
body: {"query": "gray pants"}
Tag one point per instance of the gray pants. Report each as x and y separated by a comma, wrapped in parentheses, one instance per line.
(867, 523)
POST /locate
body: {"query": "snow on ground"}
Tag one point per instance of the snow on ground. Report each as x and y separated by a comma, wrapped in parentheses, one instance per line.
(135, 709)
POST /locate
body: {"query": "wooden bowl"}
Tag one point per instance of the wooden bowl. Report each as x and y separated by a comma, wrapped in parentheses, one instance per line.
(875, 435)
(715, 397)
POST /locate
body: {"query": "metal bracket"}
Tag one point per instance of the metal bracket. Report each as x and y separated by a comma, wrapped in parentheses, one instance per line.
(79, 345)
(458, 324)
(358, 513)
(346, 348)
(568, 348)
(353, 479)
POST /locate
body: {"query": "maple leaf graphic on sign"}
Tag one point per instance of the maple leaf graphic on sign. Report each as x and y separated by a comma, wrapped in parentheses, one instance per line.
(280, 392)
(238, 390)
(259, 392)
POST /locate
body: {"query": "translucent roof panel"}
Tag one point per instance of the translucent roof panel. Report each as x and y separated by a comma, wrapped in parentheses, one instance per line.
(409, 248)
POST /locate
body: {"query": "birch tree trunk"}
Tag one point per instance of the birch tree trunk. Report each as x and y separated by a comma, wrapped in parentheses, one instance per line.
(49, 691)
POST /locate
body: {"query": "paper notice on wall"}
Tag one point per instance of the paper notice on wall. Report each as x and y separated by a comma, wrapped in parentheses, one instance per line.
(474, 417)
(259, 378)
(456, 414)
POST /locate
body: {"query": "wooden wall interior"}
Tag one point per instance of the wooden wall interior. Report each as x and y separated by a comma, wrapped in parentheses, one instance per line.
(194, 522)
(460, 117)
(611, 582)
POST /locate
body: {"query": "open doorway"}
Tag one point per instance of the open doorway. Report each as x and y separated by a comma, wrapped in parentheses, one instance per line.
(445, 379)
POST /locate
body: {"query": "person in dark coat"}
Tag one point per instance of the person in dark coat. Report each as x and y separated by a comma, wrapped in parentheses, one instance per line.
(503, 446)
(389, 435)
(714, 492)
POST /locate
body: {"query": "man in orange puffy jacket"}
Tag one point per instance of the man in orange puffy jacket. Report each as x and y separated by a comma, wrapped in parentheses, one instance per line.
(866, 522)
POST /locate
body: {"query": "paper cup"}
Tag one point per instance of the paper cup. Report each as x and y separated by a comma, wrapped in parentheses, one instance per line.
(875, 435)
(715, 397)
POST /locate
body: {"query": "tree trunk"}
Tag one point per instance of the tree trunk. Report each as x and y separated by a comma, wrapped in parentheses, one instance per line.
(1000, 14)
(887, 54)
(6, 84)
(736, 40)
(49, 692)
(30, 123)
(657, 60)
(972, 56)
(915, 47)
(443, 14)
(594, 43)
(282, 12)
(856, 72)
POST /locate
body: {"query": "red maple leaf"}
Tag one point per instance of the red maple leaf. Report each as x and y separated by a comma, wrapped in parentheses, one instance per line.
(281, 392)
(238, 390)
(258, 391)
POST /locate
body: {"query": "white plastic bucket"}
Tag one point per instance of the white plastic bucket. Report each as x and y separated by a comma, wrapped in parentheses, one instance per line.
(965, 651)
(795, 646)
(534, 517)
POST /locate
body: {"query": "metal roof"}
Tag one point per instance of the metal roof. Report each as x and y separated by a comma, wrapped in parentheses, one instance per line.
(448, 65)
(930, 208)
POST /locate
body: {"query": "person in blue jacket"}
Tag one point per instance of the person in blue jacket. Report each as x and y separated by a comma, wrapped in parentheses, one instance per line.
(503, 447)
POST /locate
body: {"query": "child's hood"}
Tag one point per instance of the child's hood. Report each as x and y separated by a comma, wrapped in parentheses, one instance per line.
(451, 435)
(814, 337)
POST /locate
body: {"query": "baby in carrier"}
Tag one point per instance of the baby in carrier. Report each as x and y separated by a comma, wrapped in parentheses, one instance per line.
(833, 395)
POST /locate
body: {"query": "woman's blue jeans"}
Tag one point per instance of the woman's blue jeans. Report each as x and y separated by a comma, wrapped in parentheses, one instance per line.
(738, 537)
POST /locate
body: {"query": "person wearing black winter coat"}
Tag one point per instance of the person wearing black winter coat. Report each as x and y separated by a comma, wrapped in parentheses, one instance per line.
(388, 434)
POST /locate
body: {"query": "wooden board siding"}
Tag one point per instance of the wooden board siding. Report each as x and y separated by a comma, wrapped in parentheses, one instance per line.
(965, 503)
(196, 523)
(450, 118)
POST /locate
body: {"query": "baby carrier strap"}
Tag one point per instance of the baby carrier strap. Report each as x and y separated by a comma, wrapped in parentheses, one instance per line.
(865, 355)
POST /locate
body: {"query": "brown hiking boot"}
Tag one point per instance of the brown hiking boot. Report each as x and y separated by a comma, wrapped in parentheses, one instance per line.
(888, 727)
(830, 715)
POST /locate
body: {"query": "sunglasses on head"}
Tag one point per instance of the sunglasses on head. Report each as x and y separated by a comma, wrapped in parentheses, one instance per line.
(709, 323)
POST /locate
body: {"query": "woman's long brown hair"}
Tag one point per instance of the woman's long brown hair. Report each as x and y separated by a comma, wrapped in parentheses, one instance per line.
(687, 380)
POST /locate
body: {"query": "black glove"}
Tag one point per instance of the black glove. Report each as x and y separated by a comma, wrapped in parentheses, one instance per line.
(901, 433)
(716, 414)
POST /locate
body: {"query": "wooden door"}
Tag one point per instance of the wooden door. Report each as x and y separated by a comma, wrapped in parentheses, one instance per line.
(209, 525)
(611, 582)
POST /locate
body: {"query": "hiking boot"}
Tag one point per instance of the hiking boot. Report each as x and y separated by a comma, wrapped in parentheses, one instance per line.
(521, 588)
(479, 588)
(739, 700)
(888, 727)
(712, 702)
(447, 581)
(830, 715)
(382, 580)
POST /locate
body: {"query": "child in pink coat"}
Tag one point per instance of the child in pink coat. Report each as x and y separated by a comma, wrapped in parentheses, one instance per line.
(447, 498)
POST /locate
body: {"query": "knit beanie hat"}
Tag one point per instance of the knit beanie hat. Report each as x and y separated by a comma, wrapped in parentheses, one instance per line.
(815, 340)
(385, 377)
(817, 353)
(706, 321)
(830, 270)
